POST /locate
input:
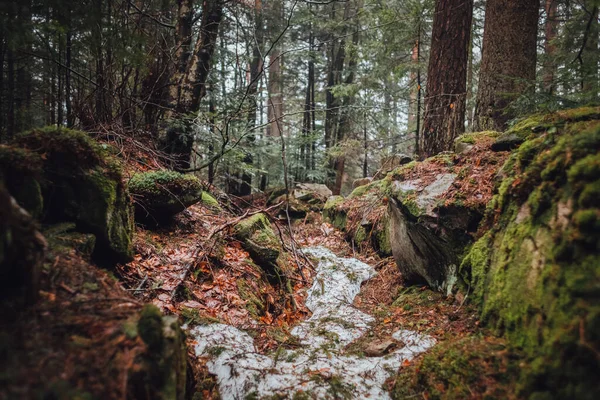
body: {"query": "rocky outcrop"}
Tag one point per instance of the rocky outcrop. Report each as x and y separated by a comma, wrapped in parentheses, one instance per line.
(161, 194)
(535, 272)
(83, 183)
(258, 239)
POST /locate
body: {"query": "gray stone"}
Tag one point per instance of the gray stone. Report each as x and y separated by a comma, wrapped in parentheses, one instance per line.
(507, 142)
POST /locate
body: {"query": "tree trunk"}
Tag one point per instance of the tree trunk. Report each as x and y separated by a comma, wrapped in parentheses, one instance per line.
(445, 99)
(589, 65)
(551, 30)
(508, 60)
(185, 12)
(70, 119)
(179, 141)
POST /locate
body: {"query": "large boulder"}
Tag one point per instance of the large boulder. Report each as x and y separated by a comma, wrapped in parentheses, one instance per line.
(435, 207)
(535, 273)
(258, 239)
(22, 250)
(161, 194)
(83, 183)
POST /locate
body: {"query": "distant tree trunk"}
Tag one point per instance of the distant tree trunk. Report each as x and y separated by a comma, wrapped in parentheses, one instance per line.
(70, 119)
(179, 141)
(590, 56)
(551, 30)
(10, 95)
(470, 87)
(445, 99)
(185, 12)
(508, 60)
(412, 108)
(2, 52)
(256, 71)
(275, 87)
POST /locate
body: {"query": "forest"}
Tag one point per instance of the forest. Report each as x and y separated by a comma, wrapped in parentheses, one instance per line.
(299, 199)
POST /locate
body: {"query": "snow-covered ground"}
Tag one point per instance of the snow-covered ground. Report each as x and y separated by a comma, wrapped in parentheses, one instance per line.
(319, 368)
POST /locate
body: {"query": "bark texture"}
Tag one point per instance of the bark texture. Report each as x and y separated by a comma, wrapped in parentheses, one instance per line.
(508, 60)
(445, 99)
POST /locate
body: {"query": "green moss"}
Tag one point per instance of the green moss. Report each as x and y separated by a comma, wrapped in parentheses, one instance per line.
(535, 273)
(208, 200)
(161, 194)
(458, 369)
(82, 182)
(259, 240)
(361, 235)
(254, 305)
(474, 137)
(150, 327)
(334, 213)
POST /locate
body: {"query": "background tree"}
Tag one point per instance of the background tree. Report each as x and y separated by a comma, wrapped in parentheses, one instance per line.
(508, 63)
(445, 99)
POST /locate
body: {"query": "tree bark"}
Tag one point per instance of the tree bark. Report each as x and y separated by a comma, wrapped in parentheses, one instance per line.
(508, 60)
(589, 65)
(445, 99)
(551, 30)
(185, 10)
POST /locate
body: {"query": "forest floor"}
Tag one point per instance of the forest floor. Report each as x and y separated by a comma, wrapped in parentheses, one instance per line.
(75, 339)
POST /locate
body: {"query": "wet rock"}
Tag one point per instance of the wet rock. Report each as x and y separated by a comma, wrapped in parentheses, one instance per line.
(259, 240)
(83, 183)
(161, 194)
(507, 142)
(22, 250)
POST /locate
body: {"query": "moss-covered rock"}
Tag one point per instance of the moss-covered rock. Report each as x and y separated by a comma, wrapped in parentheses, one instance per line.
(259, 240)
(83, 183)
(536, 272)
(22, 250)
(467, 368)
(21, 171)
(63, 238)
(465, 142)
(333, 213)
(209, 201)
(162, 372)
(161, 194)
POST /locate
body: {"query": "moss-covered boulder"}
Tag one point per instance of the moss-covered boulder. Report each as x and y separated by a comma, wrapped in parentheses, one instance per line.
(21, 171)
(334, 213)
(161, 194)
(535, 273)
(302, 199)
(82, 182)
(22, 250)
(162, 367)
(259, 240)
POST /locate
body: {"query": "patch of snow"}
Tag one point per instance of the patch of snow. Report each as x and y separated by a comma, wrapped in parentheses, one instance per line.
(319, 368)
